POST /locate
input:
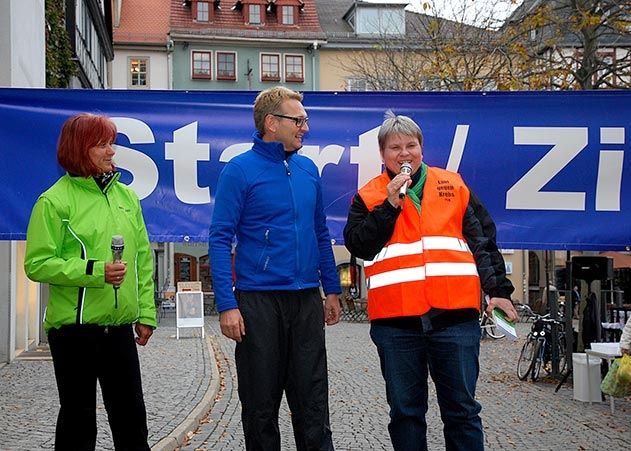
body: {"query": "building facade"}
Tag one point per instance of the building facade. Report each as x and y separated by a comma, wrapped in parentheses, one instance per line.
(23, 66)
(245, 44)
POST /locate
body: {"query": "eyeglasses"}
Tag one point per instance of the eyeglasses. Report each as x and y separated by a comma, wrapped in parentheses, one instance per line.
(299, 121)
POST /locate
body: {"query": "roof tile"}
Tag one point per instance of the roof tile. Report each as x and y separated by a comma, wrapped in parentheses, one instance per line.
(229, 22)
(143, 21)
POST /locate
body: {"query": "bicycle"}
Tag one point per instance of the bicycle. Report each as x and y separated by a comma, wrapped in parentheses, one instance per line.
(537, 350)
(525, 313)
(489, 327)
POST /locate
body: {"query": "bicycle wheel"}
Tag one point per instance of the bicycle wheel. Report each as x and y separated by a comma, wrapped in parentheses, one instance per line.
(562, 355)
(525, 359)
(490, 328)
(537, 361)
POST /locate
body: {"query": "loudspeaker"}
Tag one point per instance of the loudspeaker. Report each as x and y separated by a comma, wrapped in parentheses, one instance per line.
(592, 268)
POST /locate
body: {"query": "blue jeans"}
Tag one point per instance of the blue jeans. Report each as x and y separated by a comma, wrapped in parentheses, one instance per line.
(451, 356)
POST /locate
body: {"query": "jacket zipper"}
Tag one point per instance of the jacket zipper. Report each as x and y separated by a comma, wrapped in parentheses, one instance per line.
(297, 237)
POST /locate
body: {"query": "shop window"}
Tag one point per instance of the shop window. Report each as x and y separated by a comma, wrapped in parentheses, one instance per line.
(185, 268)
(205, 274)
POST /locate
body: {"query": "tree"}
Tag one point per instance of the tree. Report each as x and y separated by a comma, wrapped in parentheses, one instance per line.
(59, 64)
(455, 49)
(569, 44)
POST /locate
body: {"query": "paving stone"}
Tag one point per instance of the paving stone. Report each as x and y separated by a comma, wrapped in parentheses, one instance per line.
(176, 376)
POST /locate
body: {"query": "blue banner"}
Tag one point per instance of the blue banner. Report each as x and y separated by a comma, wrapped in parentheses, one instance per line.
(549, 167)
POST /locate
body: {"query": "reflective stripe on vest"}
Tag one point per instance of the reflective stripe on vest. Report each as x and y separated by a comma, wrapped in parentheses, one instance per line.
(429, 242)
(419, 273)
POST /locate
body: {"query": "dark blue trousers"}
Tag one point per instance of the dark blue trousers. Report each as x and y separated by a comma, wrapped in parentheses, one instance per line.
(451, 357)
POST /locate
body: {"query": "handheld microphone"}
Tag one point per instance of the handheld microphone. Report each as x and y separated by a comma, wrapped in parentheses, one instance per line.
(406, 168)
(118, 245)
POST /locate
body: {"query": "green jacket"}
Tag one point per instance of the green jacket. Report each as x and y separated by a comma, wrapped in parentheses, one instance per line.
(68, 242)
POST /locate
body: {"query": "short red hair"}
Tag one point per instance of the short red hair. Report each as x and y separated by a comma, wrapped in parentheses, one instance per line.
(78, 135)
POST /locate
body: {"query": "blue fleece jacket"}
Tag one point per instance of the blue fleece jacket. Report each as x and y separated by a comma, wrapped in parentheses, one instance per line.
(271, 201)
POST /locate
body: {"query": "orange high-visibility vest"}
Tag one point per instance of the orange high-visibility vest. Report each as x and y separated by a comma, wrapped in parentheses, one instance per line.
(427, 262)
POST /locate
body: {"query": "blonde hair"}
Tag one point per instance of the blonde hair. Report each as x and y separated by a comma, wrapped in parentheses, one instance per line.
(269, 102)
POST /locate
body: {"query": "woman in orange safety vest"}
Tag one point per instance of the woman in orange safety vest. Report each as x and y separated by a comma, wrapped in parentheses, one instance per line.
(428, 246)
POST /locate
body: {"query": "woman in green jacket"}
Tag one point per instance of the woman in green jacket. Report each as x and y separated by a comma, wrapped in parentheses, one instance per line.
(94, 299)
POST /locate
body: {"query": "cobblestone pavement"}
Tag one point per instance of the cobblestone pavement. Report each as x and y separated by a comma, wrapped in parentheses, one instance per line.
(179, 378)
(176, 376)
(517, 415)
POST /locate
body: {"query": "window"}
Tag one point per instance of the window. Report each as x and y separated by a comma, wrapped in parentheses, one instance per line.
(294, 68)
(375, 20)
(201, 65)
(288, 15)
(254, 14)
(226, 66)
(533, 34)
(202, 11)
(270, 67)
(356, 84)
(138, 69)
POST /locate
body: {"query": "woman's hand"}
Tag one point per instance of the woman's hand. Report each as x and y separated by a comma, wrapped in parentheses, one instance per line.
(394, 188)
(115, 273)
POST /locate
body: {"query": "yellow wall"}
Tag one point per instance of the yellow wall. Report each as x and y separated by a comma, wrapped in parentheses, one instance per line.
(332, 73)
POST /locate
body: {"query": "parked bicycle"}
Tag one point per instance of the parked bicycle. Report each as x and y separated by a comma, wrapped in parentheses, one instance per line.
(489, 327)
(525, 313)
(537, 352)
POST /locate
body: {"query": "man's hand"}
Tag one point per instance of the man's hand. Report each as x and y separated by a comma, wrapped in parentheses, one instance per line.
(624, 351)
(505, 305)
(144, 333)
(332, 309)
(232, 325)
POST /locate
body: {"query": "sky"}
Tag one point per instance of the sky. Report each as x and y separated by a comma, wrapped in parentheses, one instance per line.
(452, 9)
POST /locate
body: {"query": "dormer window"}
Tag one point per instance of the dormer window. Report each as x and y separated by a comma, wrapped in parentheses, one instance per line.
(288, 15)
(202, 11)
(254, 15)
(377, 19)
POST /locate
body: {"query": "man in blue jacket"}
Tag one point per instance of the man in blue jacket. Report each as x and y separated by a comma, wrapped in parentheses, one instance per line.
(270, 198)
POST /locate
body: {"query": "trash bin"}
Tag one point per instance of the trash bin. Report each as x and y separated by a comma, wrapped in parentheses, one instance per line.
(583, 392)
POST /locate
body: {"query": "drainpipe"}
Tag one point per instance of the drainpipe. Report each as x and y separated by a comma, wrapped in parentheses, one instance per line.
(314, 48)
(169, 46)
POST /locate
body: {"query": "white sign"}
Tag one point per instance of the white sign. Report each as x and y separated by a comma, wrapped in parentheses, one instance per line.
(189, 310)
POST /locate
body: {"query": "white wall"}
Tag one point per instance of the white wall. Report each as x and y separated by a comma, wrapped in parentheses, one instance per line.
(158, 67)
(26, 57)
(23, 65)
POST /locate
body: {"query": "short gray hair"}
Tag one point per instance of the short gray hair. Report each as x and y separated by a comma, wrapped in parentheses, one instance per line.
(398, 125)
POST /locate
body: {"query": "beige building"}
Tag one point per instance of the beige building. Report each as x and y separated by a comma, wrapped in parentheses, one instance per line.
(353, 31)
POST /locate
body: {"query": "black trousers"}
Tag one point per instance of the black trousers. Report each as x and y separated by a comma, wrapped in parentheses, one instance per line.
(83, 354)
(283, 350)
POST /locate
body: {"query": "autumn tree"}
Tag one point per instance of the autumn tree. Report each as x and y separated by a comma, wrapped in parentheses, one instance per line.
(450, 49)
(569, 44)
